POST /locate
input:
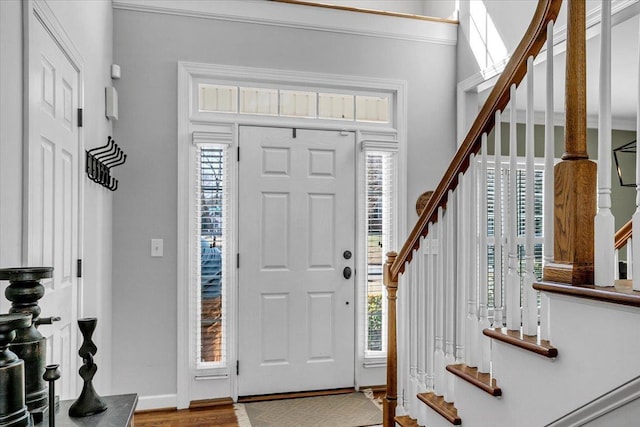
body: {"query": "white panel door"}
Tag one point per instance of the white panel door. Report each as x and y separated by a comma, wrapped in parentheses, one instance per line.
(52, 195)
(297, 219)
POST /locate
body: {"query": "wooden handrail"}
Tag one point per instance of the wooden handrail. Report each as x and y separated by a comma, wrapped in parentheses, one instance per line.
(623, 235)
(514, 72)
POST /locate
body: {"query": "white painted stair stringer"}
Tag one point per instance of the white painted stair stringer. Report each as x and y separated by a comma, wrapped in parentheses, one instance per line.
(598, 348)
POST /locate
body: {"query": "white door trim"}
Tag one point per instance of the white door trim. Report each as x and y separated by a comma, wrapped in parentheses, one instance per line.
(189, 120)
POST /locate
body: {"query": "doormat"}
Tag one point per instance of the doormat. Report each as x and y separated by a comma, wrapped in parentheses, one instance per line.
(344, 410)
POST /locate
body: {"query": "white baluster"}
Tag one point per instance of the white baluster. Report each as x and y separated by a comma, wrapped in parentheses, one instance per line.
(484, 342)
(422, 306)
(472, 336)
(439, 352)
(634, 246)
(462, 231)
(406, 337)
(497, 225)
(530, 300)
(450, 283)
(423, 331)
(630, 260)
(402, 311)
(549, 155)
(413, 324)
(430, 307)
(604, 220)
(512, 288)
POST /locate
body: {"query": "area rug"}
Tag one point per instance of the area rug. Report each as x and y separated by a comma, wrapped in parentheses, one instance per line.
(343, 410)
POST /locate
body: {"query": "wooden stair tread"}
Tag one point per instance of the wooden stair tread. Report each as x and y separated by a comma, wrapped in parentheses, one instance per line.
(437, 403)
(483, 381)
(620, 293)
(527, 342)
(406, 421)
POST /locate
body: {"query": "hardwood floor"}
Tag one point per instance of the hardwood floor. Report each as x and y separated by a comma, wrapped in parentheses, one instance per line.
(218, 416)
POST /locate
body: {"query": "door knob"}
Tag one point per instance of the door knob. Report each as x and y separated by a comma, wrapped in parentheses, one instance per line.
(346, 272)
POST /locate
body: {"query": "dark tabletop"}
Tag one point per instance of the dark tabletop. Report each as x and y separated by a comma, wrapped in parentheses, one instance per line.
(119, 413)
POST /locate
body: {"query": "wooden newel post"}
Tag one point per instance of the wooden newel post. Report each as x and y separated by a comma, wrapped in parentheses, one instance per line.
(575, 177)
(391, 397)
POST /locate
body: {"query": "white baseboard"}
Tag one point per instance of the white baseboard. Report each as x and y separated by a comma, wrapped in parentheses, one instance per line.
(157, 402)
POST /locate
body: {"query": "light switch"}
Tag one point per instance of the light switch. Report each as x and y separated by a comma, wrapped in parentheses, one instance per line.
(156, 247)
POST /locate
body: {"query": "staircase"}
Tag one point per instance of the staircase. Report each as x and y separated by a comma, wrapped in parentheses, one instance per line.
(475, 336)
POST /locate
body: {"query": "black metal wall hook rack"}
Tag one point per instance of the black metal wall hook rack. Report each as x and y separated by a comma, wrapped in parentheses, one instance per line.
(100, 160)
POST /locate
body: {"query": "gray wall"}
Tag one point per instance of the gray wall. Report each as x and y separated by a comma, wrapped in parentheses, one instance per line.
(148, 47)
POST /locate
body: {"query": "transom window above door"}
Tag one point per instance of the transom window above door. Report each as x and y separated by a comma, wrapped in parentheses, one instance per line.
(287, 102)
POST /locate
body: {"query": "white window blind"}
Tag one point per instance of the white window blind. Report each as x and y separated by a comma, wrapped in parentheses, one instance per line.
(521, 185)
(372, 109)
(217, 98)
(296, 103)
(210, 265)
(380, 189)
(259, 101)
(335, 106)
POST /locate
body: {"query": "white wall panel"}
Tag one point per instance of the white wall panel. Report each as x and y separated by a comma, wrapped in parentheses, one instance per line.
(322, 225)
(274, 321)
(321, 326)
(275, 237)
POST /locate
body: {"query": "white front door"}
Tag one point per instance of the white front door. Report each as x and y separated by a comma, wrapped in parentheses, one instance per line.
(52, 194)
(296, 222)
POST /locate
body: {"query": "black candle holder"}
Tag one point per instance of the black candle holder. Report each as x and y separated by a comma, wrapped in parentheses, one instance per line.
(89, 402)
(51, 374)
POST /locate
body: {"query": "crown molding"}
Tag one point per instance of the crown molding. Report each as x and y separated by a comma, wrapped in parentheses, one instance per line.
(296, 16)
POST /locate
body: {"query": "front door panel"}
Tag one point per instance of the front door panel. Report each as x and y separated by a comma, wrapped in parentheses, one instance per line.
(296, 220)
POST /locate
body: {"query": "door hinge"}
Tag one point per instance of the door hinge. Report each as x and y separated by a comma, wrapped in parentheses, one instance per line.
(237, 367)
(238, 153)
(238, 260)
(80, 117)
(295, 133)
(79, 268)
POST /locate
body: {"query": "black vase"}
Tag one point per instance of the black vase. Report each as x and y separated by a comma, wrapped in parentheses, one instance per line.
(13, 410)
(89, 402)
(24, 291)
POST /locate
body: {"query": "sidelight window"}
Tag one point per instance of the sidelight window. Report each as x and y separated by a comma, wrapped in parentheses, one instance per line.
(210, 264)
(380, 177)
